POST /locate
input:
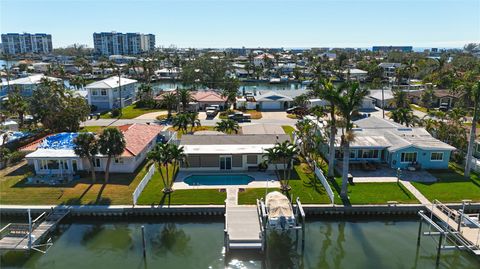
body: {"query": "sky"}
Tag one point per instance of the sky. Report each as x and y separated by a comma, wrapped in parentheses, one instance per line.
(252, 23)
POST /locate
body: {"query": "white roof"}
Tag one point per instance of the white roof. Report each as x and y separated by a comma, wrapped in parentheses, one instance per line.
(272, 97)
(227, 149)
(33, 79)
(110, 83)
(377, 94)
(355, 71)
(52, 153)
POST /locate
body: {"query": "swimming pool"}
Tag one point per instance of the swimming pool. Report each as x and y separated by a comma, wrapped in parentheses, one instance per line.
(222, 179)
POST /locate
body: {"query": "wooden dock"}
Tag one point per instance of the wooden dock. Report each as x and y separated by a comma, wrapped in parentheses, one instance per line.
(469, 235)
(243, 229)
(15, 236)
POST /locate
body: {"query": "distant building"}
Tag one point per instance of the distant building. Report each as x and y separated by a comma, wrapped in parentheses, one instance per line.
(392, 48)
(14, 43)
(389, 69)
(113, 43)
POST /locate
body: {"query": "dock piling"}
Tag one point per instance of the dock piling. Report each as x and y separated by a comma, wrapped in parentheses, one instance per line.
(144, 243)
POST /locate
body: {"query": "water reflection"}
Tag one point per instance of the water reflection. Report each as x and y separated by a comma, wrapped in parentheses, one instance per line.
(171, 239)
(282, 251)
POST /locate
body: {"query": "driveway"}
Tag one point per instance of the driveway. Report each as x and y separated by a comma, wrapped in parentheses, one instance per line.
(274, 115)
(262, 129)
(151, 116)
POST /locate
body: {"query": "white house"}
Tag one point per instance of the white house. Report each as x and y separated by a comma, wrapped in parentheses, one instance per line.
(259, 60)
(54, 155)
(356, 74)
(105, 94)
(26, 85)
(228, 152)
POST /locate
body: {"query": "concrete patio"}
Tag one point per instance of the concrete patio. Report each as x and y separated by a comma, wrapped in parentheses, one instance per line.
(386, 174)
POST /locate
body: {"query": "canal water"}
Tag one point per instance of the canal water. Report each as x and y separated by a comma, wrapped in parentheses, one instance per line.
(184, 243)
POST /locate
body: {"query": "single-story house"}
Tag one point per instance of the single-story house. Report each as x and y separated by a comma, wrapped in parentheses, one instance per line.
(200, 99)
(441, 98)
(382, 141)
(367, 103)
(228, 152)
(105, 94)
(26, 85)
(54, 155)
(356, 74)
(388, 98)
(268, 100)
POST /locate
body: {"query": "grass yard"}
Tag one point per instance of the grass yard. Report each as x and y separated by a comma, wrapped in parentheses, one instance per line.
(195, 129)
(419, 108)
(288, 130)
(14, 190)
(153, 195)
(303, 183)
(93, 129)
(451, 185)
(292, 116)
(131, 111)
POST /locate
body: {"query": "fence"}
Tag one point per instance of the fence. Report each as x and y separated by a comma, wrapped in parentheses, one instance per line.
(475, 165)
(324, 181)
(143, 183)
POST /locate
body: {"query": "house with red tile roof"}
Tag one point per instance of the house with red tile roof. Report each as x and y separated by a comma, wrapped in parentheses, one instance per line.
(54, 155)
(200, 99)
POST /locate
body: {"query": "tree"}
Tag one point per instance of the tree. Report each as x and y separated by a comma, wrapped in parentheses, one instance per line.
(301, 100)
(111, 144)
(86, 146)
(181, 122)
(17, 105)
(400, 99)
(348, 104)
(427, 97)
(230, 90)
(227, 126)
(166, 156)
(185, 97)
(325, 89)
(473, 129)
(193, 120)
(169, 101)
(145, 96)
(404, 116)
(286, 153)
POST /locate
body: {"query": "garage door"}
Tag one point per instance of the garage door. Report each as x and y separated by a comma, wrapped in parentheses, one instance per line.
(271, 105)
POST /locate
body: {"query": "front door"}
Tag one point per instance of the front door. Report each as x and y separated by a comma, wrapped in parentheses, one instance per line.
(225, 162)
(74, 166)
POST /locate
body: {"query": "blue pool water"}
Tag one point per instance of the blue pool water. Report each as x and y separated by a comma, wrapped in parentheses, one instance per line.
(223, 179)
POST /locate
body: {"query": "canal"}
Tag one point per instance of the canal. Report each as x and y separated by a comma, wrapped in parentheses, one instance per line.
(188, 243)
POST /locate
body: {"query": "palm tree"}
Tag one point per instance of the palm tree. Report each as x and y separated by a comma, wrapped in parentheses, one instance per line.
(181, 122)
(185, 97)
(284, 152)
(193, 120)
(473, 129)
(86, 146)
(230, 90)
(227, 126)
(400, 99)
(325, 89)
(167, 156)
(348, 104)
(17, 105)
(111, 144)
(405, 116)
(169, 101)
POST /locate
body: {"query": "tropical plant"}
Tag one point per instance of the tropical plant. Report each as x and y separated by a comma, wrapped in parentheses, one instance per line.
(86, 146)
(181, 122)
(285, 153)
(169, 101)
(145, 96)
(227, 126)
(111, 144)
(185, 97)
(404, 116)
(193, 120)
(473, 129)
(230, 90)
(400, 99)
(348, 104)
(16, 105)
(167, 156)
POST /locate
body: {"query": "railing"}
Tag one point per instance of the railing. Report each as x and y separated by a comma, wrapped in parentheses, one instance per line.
(143, 184)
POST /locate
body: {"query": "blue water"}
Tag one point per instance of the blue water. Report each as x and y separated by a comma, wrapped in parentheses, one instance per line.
(224, 179)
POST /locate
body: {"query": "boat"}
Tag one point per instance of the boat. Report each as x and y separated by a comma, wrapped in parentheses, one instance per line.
(280, 212)
(275, 80)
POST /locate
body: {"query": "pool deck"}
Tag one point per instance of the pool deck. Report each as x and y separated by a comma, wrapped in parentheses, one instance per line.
(261, 180)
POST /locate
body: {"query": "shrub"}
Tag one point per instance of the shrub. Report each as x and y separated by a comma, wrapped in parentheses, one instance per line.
(115, 112)
(16, 156)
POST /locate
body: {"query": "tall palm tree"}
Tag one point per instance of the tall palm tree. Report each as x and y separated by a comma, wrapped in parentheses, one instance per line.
(325, 89)
(111, 144)
(473, 129)
(348, 104)
(86, 146)
(185, 97)
(284, 152)
(193, 120)
(167, 157)
(169, 101)
(230, 90)
(17, 105)
(227, 126)
(181, 122)
(400, 99)
(405, 116)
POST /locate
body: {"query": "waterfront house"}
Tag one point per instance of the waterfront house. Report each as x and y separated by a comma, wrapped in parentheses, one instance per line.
(260, 59)
(105, 94)
(382, 141)
(228, 152)
(200, 99)
(389, 69)
(355, 74)
(26, 85)
(267, 100)
(54, 155)
(441, 98)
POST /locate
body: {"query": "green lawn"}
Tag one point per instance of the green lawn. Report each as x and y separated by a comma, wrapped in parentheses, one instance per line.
(195, 129)
(451, 186)
(14, 190)
(419, 108)
(131, 111)
(303, 183)
(288, 130)
(93, 129)
(153, 195)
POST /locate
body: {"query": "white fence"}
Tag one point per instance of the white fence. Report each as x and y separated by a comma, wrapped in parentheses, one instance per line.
(475, 165)
(143, 183)
(321, 177)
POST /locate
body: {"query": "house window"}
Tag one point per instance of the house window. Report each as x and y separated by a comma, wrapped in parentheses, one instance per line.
(96, 162)
(368, 154)
(353, 154)
(103, 92)
(119, 160)
(408, 157)
(53, 164)
(94, 92)
(436, 156)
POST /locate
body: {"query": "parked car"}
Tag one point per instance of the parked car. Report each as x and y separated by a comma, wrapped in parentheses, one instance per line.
(211, 111)
(240, 117)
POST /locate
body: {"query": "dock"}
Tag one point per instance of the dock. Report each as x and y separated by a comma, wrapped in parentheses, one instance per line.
(27, 236)
(243, 228)
(454, 225)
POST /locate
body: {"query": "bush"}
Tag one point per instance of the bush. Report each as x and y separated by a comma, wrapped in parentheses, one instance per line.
(115, 112)
(93, 108)
(16, 156)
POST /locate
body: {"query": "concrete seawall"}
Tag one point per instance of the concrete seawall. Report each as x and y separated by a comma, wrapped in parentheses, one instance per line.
(219, 210)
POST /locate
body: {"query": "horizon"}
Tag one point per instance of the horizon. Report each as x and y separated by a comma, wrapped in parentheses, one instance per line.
(285, 23)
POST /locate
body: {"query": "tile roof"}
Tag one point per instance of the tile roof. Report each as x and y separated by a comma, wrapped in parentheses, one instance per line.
(137, 137)
(208, 96)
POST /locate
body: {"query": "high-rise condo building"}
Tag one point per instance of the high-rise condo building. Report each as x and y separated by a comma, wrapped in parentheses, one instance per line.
(113, 43)
(14, 43)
